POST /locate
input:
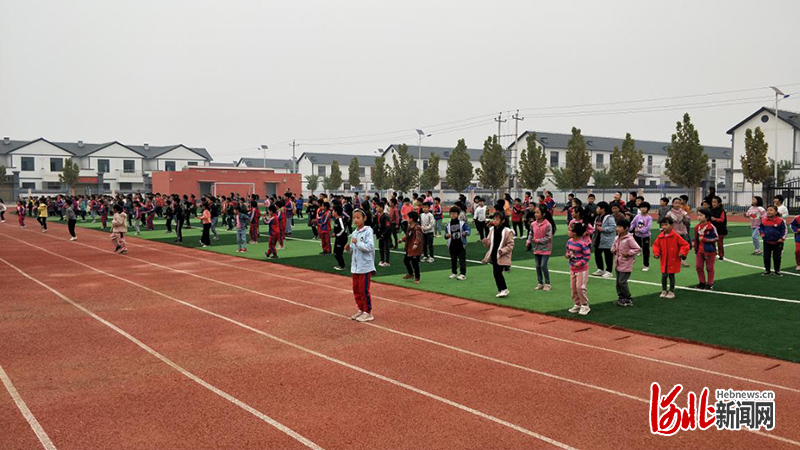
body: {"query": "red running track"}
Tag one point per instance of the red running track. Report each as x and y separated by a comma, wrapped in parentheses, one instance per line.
(431, 372)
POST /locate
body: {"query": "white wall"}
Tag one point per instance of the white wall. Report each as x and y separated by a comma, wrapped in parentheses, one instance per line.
(41, 151)
(788, 144)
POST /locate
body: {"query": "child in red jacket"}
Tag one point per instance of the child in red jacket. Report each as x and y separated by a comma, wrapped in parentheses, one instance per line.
(671, 249)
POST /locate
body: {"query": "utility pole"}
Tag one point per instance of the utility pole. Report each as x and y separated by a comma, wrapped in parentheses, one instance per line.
(499, 119)
(515, 152)
(294, 160)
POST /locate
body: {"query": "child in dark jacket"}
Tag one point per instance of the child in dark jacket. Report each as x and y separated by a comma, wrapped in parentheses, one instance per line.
(773, 232)
(456, 233)
(413, 240)
(705, 248)
(795, 225)
(383, 231)
(720, 221)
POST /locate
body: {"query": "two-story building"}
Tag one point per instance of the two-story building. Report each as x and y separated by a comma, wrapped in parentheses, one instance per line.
(422, 156)
(312, 163)
(787, 132)
(111, 166)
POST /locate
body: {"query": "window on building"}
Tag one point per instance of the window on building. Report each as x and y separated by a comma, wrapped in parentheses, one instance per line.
(28, 164)
(649, 164)
(553, 159)
(169, 166)
(129, 166)
(53, 185)
(424, 164)
(56, 165)
(321, 171)
(29, 185)
(652, 183)
(599, 160)
(362, 171)
(346, 186)
(126, 186)
(103, 166)
(191, 163)
(106, 186)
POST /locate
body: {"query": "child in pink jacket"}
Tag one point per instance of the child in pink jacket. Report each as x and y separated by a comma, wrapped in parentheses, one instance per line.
(624, 250)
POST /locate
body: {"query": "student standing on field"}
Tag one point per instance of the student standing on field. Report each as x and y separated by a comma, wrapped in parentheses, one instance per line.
(340, 237)
(428, 224)
(413, 241)
(42, 218)
(205, 219)
(671, 249)
(21, 214)
(456, 233)
(72, 219)
(624, 249)
(383, 232)
(500, 245)
(640, 227)
(540, 239)
(756, 213)
(579, 253)
(240, 220)
(720, 221)
(705, 247)
(362, 265)
(604, 231)
(118, 229)
(773, 231)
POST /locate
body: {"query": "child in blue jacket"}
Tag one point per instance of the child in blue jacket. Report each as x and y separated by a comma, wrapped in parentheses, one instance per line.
(773, 232)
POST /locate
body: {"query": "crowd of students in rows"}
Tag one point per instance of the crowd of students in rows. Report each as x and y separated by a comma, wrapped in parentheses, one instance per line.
(614, 232)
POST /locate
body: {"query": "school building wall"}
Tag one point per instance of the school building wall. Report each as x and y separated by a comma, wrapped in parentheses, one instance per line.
(201, 180)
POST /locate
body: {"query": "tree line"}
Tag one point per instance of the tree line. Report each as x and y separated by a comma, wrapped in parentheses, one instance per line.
(686, 165)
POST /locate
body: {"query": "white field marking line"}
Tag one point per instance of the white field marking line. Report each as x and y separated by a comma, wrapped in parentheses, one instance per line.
(303, 440)
(485, 322)
(290, 344)
(756, 267)
(335, 314)
(23, 408)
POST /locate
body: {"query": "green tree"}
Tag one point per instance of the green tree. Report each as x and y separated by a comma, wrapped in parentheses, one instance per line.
(603, 180)
(380, 176)
(492, 173)
(430, 176)
(755, 166)
(783, 170)
(2, 173)
(354, 177)
(335, 178)
(687, 162)
(459, 168)
(312, 183)
(578, 167)
(404, 172)
(532, 165)
(626, 163)
(559, 179)
(69, 174)
(325, 182)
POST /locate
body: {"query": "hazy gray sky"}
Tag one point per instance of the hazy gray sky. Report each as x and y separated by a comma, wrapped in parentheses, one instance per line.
(231, 75)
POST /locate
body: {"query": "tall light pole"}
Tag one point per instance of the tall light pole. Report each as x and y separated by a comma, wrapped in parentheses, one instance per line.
(420, 134)
(778, 95)
(264, 148)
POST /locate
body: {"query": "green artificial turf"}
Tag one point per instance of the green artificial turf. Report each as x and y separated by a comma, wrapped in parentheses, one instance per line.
(767, 327)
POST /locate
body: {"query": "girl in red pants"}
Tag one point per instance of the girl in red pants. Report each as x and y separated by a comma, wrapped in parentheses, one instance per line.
(255, 214)
(705, 249)
(362, 246)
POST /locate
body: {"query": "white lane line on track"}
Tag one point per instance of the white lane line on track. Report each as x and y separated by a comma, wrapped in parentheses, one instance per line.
(282, 341)
(47, 444)
(303, 440)
(507, 327)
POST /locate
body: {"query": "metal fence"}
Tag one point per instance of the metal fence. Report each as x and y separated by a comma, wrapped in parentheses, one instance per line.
(791, 194)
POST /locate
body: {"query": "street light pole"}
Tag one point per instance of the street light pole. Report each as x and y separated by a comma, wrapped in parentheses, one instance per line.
(264, 149)
(778, 95)
(420, 134)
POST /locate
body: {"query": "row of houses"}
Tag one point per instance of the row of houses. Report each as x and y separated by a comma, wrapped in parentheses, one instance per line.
(724, 162)
(111, 166)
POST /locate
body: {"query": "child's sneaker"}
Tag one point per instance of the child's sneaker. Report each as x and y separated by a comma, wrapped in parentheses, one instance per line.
(539, 287)
(452, 275)
(670, 294)
(547, 287)
(356, 315)
(574, 309)
(796, 268)
(73, 239)
(416, 281)
(503, 293)
(407, 276)
(386, 265)
(608, 275)
(778, 273)
(620, 302)
(598, 272)
(645, 269)
(117, 249)
(766, 273)
(366, 317)
(461, 277)
(709, 287)
(663, 294)
(700, 286)
(584, 310)
(124, 251)
(338, 268)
